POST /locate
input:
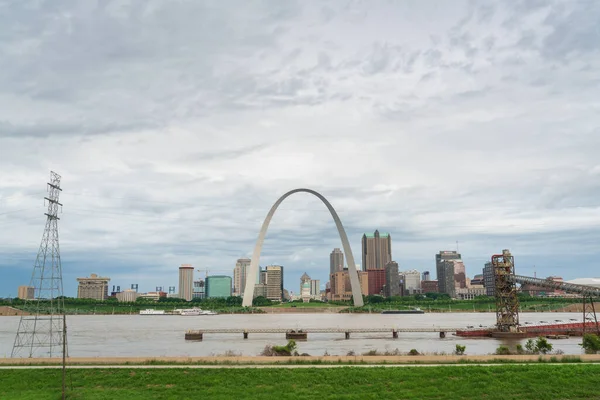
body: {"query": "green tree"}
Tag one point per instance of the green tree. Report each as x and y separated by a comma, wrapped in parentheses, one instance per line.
(591, 343)
(460, 350)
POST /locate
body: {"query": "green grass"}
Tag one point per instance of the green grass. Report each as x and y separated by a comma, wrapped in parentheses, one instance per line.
(541, 382)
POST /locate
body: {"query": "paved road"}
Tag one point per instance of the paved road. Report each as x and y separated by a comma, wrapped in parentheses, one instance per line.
(290, 366)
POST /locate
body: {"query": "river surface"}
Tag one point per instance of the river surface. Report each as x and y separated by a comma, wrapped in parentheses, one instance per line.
(155, 336)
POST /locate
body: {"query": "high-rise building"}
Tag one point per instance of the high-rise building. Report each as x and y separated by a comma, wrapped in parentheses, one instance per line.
(426, 276)
(444, 262)
(218, 286)
(274, 282)
(412, 282)
(392, 280)
(198, 292)
(336, 261)
(26, 292)
(315, 288)
(186, 282)
(240, 272)
(376, 250)
(376, 281)
(460, 275)
(260, 290)
(489, 280)
(262, 276)
(94, 287)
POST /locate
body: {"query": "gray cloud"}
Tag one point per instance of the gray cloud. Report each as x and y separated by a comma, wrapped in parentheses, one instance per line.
(177, 126)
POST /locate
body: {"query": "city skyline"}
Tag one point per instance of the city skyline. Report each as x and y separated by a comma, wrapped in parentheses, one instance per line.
(460, 122)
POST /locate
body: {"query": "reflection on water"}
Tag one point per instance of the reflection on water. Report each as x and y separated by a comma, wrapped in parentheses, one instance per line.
(136, 335)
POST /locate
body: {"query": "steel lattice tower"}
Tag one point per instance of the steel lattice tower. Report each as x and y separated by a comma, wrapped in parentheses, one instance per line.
(43, 332)
(507, 302)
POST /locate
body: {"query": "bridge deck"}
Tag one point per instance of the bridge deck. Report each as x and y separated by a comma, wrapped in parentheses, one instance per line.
(322, 330)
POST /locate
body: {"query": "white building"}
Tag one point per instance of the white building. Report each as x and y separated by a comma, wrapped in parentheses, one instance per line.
(412, 282)
(128, 296)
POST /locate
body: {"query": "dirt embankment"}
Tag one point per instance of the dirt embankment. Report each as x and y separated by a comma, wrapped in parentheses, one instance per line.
(576, 307)
(420, 359)
(10, 311)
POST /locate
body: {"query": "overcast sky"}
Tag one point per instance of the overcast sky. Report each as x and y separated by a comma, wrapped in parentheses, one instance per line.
(177, 124)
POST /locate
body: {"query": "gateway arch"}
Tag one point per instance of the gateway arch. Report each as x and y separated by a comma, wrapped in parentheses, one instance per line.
(251, 278)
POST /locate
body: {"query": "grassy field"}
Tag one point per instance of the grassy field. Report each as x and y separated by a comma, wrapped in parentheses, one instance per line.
(462, 382)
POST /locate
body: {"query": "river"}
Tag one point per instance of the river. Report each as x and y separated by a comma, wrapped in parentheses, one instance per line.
(155, 336)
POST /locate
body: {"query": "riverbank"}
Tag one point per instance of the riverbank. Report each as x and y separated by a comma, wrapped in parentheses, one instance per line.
(467, 382)
(254, 360)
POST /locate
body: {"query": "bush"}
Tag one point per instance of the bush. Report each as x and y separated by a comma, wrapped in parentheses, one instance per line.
(520, 349)
(542, 345)
(287, 350)
(503, 351)
(413, 352)
(460, 350)
(591, 343)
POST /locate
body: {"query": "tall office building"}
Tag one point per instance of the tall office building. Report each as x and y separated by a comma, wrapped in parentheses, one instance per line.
(444, 262)
(218, 286)
(198, 292)
(460, 275)
(392, 280)
(240, 272)
(489, 280)
(376, 250)
(186, 282)
(274, 282)
(26, 292)
(94, 287)
(336, 261)
(315, 288)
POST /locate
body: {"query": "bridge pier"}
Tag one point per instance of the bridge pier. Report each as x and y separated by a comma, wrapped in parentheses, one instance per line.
(395, 334)
(347, 335)
(296, 335)
(193, 336)
(245, 335)
(442, 335)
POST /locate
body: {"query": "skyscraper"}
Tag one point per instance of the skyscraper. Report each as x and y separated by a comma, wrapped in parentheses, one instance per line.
(426, 276)
(218, 286)
(376, 250)
(186, 282)
(274, 282)
(489, 279)
(240, 272)
(392, 280)
(315, 288)
(336, 261)
(444, 262)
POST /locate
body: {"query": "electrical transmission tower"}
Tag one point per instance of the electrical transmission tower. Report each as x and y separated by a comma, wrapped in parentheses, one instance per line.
(43, 331)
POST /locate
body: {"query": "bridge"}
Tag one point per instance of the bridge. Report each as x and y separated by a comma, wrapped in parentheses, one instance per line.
(302, 334)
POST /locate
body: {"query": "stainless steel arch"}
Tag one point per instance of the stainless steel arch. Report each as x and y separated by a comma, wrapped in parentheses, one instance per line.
(251, 278)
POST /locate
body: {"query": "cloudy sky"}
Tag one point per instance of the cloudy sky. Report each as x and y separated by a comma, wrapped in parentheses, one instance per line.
(177, 124)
